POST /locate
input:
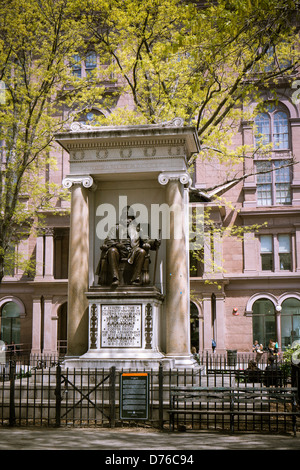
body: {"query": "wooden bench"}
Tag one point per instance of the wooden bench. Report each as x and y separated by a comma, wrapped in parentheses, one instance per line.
(233, 401)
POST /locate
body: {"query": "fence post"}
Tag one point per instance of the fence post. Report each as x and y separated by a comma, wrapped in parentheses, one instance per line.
(12, 374)
(161, 395)
(112, 396)
(58, 396)
(295, 375)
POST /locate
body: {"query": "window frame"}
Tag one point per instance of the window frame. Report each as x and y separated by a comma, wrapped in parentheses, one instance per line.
(269, 185)
(262, 319)
(288, 314)
(284, 253)
(82, 66)
(275, 253)
(267, 255)
(271, 112)
(10, 323)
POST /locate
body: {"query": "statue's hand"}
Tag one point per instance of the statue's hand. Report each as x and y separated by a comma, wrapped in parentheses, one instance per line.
(153, 244)
(157, 244)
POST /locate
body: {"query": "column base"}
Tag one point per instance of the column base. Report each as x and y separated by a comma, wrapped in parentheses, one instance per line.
(184, 362)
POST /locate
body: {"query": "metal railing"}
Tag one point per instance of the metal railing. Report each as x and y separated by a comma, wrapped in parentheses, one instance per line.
(233, 359)
(53, 396)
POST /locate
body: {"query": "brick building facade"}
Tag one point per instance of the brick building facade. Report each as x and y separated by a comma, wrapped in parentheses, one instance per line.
(243, 289)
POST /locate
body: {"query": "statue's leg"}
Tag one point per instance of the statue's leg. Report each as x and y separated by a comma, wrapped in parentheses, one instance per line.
(137, 266)
(113, 262)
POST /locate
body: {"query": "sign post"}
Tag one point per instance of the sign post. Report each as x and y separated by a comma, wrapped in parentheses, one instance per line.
(134, 396)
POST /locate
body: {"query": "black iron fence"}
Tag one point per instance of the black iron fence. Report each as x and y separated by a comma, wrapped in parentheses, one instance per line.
(233, 358)
(44, 393)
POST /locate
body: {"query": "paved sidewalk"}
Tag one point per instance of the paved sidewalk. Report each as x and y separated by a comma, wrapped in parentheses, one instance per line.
(138, 439)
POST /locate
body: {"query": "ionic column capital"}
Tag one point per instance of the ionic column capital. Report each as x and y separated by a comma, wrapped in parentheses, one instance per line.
(182, 176)
(85, 180)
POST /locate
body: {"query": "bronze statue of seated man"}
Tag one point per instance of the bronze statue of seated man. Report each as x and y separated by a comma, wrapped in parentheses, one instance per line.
(125, 244)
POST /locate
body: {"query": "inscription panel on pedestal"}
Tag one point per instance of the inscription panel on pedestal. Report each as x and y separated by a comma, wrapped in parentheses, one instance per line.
(121, 326)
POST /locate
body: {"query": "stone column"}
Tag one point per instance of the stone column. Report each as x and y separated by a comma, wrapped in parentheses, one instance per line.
(276, 254)
(49, 253)
(278, 327)
(177, 281)
(78, 265)
(207, 322)
(39, 256)
(58, 257)
(218, 252)
(48, 349)
(36, 325)
(297, 247)
(208, 268)
(220, 323)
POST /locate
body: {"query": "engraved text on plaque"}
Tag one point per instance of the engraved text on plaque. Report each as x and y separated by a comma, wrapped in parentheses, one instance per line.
(121, 326)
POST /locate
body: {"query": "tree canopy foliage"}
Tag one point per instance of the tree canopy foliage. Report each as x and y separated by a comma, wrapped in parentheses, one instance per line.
(38, 40)
(201, 61)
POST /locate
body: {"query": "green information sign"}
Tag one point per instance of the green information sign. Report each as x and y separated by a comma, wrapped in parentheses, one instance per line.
(134, 396)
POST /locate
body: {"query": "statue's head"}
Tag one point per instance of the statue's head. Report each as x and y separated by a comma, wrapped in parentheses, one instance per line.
(127, 215)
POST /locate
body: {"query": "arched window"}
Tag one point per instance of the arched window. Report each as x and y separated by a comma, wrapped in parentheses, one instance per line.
(10, 322)
(263, 129)
(281, 131)
(272, 126)
(89, 117)
(290, 322)
(273, 175)
(263, 321)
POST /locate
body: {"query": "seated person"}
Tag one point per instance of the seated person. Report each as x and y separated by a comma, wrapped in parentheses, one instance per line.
(253, 373)
(272, 373)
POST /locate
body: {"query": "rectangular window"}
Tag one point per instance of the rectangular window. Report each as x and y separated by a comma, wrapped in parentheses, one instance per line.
(76, 66)
(285, 252)
(83, 67)
(273, 183)
(264, 183)
(282, 182)
(266, 252)
(278, 256)
(281, 132)
(90, 63)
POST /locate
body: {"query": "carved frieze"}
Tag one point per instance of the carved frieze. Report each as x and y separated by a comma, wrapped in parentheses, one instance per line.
(149, 152)
(77, 156)
(125, 153)
(102, 154)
